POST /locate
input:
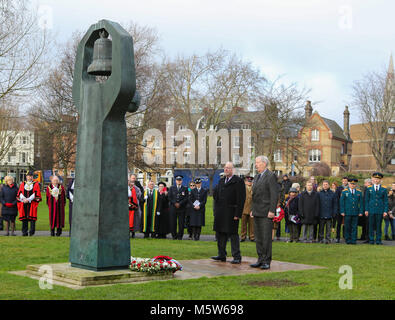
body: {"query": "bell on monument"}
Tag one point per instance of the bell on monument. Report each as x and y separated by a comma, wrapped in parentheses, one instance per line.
(102, 56)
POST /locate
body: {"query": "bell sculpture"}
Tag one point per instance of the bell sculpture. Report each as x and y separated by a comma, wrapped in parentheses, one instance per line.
(100, 231)
(102, 56)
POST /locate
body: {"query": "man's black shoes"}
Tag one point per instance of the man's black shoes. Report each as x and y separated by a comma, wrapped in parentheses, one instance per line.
(217, 258)
(256, 265)
(236, 261)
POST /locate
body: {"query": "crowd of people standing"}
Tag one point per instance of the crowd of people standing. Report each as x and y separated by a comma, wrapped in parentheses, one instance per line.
(157, 212)
(310, 215)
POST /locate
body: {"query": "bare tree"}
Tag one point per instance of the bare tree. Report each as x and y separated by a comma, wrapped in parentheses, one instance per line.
(374, 96)
(278, 120)
(206, 92)
(146, 52)
(9, 126)
(23, 46)
(55, 113)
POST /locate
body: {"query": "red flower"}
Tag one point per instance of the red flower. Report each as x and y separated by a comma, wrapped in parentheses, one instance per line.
(163, 257)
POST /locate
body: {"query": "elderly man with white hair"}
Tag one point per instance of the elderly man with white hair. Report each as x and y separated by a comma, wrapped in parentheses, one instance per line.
(265, 195)
(56, 201)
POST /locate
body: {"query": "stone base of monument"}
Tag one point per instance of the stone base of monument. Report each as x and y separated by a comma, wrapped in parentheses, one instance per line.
(65, 275)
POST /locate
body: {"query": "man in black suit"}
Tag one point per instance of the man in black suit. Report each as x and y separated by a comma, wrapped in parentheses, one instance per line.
(265, 195)
(229, 198)
(178, 200)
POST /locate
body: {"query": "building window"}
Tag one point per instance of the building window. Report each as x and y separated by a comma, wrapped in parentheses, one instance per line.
(24, 140)
(315, 135)
(236, 158)
(277, 156)
(391, 130)
(278, 173)
(245, 126)
(219, 143)
(182, 128)
(315, 155)
(236, 142)
(187, 141)
(173, 156)
(250, 142)
(157, 142)
(187, 157)
(23, 157)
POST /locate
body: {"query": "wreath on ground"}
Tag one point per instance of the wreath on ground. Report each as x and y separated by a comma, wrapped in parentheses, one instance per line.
(158, 264)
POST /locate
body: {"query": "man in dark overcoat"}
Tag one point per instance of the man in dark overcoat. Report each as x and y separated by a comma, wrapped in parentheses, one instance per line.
(265, 194)
(309, 211)
(229, 197)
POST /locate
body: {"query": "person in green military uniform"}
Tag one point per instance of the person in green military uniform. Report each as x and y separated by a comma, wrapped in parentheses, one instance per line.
(351, 207)
(376, 207)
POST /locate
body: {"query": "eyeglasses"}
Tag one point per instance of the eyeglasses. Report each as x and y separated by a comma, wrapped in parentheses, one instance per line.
(191, 185)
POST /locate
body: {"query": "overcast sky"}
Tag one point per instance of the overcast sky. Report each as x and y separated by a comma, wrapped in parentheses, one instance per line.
(323, 45)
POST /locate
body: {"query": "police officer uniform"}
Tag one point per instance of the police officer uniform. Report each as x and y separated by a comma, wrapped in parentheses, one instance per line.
(197, 199)
(376, 204)
(351, 206)
(178, 195)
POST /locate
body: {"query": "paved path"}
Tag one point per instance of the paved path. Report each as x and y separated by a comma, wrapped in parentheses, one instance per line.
(203, 237)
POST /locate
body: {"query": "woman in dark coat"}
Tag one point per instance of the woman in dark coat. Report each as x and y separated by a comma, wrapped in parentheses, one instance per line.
(197, 211)
(162, 222)
(9, 211)
(292, 214)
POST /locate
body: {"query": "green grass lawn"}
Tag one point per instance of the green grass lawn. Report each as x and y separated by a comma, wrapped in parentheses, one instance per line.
(373, 276)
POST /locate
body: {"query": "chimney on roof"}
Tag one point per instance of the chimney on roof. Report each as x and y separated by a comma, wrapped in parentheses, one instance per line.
(346, 126)
(308, 110)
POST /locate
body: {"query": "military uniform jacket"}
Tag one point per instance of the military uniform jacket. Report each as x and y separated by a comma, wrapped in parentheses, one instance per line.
(248, 202)
(376, 202)
(351, 204)
(178, 195)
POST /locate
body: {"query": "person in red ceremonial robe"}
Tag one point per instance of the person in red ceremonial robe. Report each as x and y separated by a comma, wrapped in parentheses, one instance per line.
(134, 195)
(56, 201)
(29, 195)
